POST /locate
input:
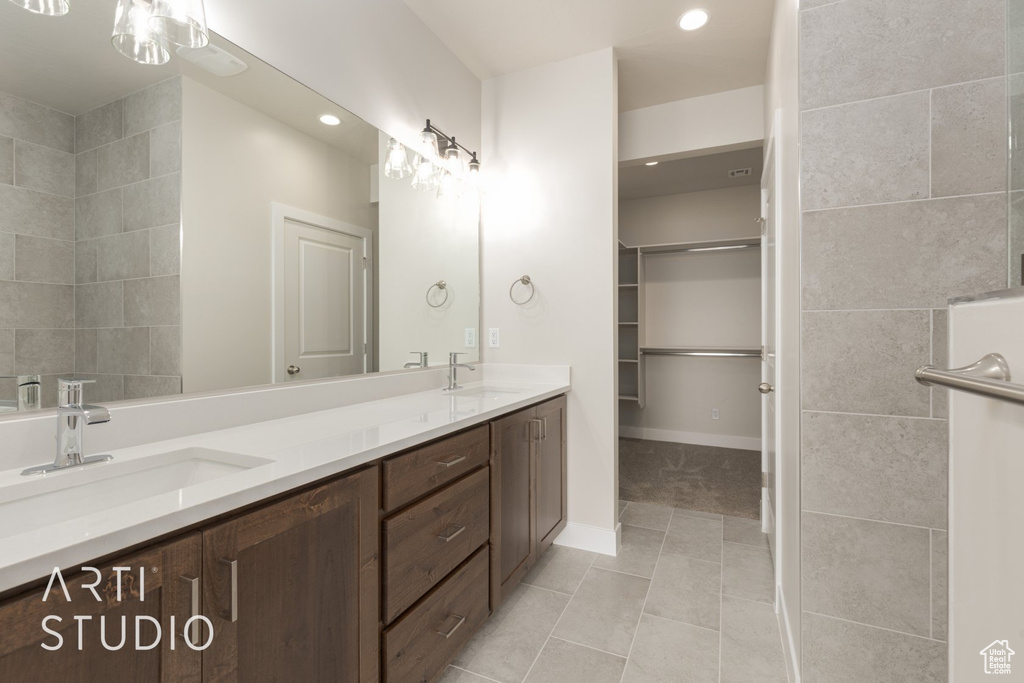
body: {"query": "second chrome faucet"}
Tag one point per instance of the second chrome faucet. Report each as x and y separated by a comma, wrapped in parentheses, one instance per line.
(453, 368)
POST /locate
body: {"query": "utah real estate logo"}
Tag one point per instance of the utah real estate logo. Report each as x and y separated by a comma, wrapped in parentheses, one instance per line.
(997, 657)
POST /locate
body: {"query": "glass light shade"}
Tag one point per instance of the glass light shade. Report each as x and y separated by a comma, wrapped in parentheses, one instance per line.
(132, 35)
(51, 8)
(425, 177)
(428, 140)
(182, 22)
(396, 164)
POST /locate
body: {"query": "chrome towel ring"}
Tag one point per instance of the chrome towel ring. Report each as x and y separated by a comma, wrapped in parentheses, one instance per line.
(441, 285)
(526, 281)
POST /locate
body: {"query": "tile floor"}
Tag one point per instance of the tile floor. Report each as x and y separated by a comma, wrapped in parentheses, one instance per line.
(687, 600)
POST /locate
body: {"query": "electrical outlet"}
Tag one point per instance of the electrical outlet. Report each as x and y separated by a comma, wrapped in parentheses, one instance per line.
(714, 413)
(494, 338)
(470, 337)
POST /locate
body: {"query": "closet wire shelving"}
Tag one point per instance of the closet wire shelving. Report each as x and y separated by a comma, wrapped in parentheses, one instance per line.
(632, 340)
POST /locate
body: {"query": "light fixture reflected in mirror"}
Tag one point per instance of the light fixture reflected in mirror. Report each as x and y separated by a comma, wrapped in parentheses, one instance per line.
(182, 22)
(425, 177)
(396, 164)
(50, 8)
(133, 36)
(438, 164)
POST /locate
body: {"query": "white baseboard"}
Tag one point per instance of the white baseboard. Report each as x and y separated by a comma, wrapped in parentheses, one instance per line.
(746, 443)
(788, 642)
(592, 538)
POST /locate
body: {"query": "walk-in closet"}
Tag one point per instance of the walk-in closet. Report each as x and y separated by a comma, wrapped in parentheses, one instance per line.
(689, 319)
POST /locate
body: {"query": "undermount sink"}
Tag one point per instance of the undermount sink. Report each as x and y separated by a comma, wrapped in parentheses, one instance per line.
(42, 502)
(488, 392)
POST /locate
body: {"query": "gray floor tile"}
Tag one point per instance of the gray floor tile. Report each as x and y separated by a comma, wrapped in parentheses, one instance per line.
(453, 675)
(745, 531)
(511, 639)
(686, 590)
(604, 612)
(747, 572)
(751, 646)
(696, 513)
(560, 569)
(622, 506)
(669, 652)
(639, 553)
(563, 662)
(694, 537)
(647, 515)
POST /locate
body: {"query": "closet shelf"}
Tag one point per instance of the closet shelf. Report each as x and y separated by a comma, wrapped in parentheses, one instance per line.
(707, 246)
(629, 398)
(629, 360)
(633, 324)
(700, 351)
(629, 286)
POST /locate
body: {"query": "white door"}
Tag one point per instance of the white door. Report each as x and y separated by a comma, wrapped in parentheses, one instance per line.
(769, 341)
(986, 498)
(321, 284)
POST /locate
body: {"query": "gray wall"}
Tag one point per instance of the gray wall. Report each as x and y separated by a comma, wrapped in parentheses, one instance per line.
(37, 232)
(904, 205)
(127, 245)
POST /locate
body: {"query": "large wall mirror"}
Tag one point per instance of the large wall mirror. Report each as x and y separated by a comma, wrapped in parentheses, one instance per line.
(196, 226)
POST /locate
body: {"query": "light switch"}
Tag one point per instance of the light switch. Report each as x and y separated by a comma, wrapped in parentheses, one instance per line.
(493, 338)
(470, 337)
(714, 413)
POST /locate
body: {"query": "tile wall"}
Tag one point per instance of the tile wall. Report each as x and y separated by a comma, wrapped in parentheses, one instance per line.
(903, 177)
(90, 244)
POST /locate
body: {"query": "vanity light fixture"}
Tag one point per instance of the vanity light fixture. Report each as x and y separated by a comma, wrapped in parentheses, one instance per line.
(134, 38)
(694, 19)
(447, 174)
(396, 163)
(182, 22)
(50, 8)
(330, 120)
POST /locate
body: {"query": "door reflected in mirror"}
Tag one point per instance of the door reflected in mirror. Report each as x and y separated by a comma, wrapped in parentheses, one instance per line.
(206, 225)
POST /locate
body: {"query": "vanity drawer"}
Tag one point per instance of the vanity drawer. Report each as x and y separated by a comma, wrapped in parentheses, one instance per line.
(424, 542)
(409, 476)
(420, 644)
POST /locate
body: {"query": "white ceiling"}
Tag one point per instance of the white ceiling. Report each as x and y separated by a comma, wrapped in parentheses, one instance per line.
(67, 63)
(658, 63)
(693, 174)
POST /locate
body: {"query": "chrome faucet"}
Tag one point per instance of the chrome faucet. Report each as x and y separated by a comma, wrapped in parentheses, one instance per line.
(453, 367)
(421, 363)
(72, 417)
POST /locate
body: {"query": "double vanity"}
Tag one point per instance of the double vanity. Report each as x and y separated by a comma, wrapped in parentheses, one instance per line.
(361, 543)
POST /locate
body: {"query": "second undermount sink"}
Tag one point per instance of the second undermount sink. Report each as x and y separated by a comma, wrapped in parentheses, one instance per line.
(41, 502)
(487, 392)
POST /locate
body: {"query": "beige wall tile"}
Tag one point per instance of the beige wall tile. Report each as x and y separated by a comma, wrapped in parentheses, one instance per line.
(122, 257)
(152, 301)
(869, 572)
(7, 241)
(862, 49)
(940, 585)
(6, 161)
(86, 351)
(840, 652)
(99, 305)
(97, 215)
(969, 138)
(865, 152)
(940, 359)
(123, 162)
(85, 261)
(892, 469)
(6, 352)
(153, 203)
(44, 260)
(153, 107)
(165, 352)
(85, 173)
(165, 250)
(165, 149)
(36, 305)
(141, 386)
(44, 352)
(864, 362)
(35, 123)
(123, 351)
(100, 126)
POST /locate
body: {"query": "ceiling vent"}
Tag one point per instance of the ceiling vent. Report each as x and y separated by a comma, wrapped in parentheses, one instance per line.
(739, 172)
(213, 59)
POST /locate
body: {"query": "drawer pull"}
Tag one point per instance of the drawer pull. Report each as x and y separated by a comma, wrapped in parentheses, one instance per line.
(446, 537)
(451, 632)
(232, 613)
(192, 633)
(452, 462)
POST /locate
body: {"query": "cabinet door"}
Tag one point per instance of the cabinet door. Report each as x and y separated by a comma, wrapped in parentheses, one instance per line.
(552, 505)
(158, 583)
(513, 533)
(293, 588)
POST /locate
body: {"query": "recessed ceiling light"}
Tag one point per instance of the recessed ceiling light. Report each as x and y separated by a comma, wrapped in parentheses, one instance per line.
(651, 163)
(330, 120)
(693, 20)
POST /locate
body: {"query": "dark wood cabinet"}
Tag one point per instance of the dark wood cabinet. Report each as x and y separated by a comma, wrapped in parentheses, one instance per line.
(158, 584)
(528, 491)
(293, 588)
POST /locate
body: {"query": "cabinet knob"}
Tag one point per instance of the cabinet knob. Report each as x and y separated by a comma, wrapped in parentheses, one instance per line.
(294, 369)
(765, 388)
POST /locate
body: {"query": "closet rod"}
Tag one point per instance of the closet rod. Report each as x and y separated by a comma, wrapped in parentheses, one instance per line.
(701, 352)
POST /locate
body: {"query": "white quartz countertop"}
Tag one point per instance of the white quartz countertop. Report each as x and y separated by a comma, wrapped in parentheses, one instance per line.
(301, 449)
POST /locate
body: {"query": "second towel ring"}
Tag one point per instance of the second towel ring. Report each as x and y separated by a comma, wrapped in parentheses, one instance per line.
(441, 285)
(524, 280)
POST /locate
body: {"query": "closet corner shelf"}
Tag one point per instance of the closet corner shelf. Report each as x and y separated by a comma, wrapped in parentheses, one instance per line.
(629, 398)
(700, 351)
(706, 246)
